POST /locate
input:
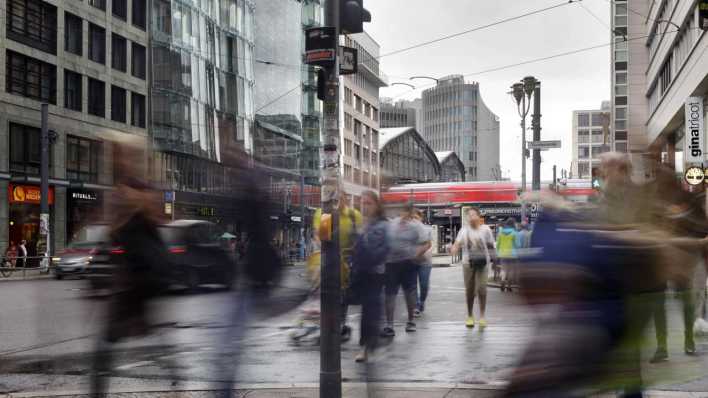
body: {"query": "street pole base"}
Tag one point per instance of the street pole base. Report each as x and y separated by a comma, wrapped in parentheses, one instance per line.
(331, 384)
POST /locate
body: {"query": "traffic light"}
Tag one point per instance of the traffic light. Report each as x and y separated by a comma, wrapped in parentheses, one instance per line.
(352, 16)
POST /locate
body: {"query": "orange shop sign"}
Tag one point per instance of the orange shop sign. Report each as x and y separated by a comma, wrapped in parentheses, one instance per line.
(28, 194)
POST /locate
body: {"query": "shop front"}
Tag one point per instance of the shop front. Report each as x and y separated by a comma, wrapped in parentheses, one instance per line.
(84, 206)
(24, 216)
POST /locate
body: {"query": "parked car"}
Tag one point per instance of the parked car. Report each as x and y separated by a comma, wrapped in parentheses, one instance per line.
(195, 255)
(88, 255)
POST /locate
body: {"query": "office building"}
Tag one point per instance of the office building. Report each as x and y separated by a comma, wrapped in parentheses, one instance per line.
(88, 61)
(397, 114)
(455, 118)
(654, 77)
(202, 116)
(359, 110)
(590, 139)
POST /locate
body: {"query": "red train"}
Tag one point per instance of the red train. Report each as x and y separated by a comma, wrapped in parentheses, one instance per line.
(492, 192)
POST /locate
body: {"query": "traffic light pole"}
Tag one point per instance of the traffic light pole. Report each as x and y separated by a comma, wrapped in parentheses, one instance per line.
(44, 227)
(536, 124)
(331, 292)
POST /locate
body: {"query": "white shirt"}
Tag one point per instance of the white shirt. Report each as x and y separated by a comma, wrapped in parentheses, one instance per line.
(480, 238)
(23, 249)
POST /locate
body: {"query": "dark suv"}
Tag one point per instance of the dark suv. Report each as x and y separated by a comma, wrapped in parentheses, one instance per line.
(195, 254)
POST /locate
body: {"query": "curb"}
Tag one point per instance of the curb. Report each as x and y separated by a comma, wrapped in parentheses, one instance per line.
(314, 387)
(271, 386)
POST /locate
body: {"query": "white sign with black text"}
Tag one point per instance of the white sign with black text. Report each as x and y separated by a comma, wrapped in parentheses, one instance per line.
(694, 140)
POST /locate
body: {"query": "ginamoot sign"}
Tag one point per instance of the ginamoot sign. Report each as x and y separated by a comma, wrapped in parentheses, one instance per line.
(694, 140)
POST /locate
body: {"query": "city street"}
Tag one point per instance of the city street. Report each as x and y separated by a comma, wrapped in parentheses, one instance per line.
(48, 328)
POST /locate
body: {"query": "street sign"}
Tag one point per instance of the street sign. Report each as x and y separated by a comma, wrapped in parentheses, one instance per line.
(321, 46)
(544, 144)
(348, 60)
(694, 142)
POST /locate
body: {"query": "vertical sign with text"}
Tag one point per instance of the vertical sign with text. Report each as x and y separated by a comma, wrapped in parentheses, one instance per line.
(694, 140)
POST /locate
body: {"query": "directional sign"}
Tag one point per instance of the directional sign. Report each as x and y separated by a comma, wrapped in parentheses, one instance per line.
(544, 144)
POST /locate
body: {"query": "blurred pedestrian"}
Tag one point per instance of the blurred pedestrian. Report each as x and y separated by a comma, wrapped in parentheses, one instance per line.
(140, 261)
(368, 269)
(350, 221)
(409, 242)
(476, 242)
(23, 253)
(506, 252)
(11, 255)
(424, 270)
(523, 238)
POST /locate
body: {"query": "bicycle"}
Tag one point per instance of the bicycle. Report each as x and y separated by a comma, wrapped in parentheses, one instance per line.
(6, 268)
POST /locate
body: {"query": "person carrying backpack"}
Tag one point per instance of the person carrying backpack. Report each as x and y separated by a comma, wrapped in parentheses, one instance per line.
(368, 268)
(506, 252)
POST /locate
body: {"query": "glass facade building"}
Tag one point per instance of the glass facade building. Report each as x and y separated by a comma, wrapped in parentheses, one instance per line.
(202, 75)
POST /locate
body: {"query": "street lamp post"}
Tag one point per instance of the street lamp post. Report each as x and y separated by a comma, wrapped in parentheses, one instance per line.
(522, 92)
(403, 84)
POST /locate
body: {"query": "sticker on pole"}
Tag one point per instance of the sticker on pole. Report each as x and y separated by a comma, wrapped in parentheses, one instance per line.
(44, 224)
(694, 175)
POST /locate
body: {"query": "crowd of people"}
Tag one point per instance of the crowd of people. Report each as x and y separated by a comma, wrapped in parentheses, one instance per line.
(604, 267)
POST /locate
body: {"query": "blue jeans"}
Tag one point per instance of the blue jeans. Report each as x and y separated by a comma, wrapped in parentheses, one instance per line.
(423, 284)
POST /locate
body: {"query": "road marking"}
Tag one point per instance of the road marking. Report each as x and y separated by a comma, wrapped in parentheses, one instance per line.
(134, 365)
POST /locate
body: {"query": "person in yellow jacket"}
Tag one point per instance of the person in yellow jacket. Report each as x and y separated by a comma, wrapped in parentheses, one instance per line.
(350, 222)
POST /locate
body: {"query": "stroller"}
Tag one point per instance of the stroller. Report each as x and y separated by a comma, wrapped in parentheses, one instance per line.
(307, 326)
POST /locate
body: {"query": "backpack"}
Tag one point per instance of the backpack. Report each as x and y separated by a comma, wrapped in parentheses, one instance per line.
(371, 248)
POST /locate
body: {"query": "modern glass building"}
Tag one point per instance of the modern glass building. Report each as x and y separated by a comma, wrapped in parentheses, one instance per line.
(455, 118)
(201, 115)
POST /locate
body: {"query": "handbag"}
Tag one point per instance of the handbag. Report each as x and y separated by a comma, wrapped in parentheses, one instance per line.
(477, 258)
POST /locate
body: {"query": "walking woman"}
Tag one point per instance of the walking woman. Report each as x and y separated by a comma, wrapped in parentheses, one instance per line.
(477, 244)
(368, 267)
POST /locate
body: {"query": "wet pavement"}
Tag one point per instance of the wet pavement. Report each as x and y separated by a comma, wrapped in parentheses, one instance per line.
(48, 330)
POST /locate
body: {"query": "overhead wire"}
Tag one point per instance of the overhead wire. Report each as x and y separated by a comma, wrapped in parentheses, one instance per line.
(559, 55)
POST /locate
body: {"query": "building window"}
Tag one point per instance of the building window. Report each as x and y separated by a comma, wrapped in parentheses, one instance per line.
(621, 147)
(82, 159)
(620, 135)
(120, 9)
(357, 129)
(375, 114)
(137, 112)
(367, 110)
(621, 100)
(118, 104)
(348, 121)
(97, 44)
(119, 53)
(34, 23)
(25, 149)
(596, 119)
(101, 4)
(359, 104)
(584, 137)
(584, 170)
(72, 90)
(139, 19)
(583, 120)
(73, 34)
(96, 97)
(583, 152)
(138, 62)
(31, 78)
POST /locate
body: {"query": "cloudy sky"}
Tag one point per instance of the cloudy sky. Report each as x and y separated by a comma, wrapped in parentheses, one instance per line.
(580, 81)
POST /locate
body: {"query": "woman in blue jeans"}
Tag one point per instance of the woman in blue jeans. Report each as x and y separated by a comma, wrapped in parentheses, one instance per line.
(424, 269)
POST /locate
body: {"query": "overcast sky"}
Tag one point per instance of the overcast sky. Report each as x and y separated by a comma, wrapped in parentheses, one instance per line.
(580, 81)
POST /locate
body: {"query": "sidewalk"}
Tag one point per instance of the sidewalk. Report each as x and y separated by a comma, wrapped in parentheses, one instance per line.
(26, 275)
